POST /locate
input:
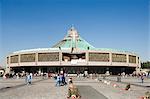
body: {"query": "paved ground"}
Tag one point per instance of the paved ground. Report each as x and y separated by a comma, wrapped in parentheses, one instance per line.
(89, 92)
(40, 90)
(116, 92)
(45, 89)
(132, 80)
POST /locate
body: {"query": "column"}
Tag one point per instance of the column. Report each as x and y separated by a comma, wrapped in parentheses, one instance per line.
(39, 70)
(8, 67)
(87, 57)
(127, 55)
(110, 58)
(139, 63)
(36, 58)
(19, 60)
(136, 62)
(60, 55)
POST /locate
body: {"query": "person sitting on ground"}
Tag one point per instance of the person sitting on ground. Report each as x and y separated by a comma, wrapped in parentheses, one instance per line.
(147, 95)
(128, 87)
(73, 92)
(70, 80)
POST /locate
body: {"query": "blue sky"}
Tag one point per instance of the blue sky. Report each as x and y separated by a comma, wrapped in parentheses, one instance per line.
(118, 24)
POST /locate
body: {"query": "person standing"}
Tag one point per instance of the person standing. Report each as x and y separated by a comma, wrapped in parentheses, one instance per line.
(26, 78)
(142, 78)
(64, 80)
(29, 78)
(61, 80)
(58, 80)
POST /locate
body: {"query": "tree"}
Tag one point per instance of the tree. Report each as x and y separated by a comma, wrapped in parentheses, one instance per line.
(145, 64)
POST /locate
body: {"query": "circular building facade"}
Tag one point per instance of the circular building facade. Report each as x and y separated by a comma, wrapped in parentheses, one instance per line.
(73, 55)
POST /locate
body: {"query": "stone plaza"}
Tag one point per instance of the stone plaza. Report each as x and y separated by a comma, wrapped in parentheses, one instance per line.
(90, 88)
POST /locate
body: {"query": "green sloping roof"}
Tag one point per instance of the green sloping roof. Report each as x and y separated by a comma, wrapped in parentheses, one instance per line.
(73, 40)
(82, 44)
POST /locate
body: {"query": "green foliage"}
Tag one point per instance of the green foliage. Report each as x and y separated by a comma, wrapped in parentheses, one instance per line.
(145, 64)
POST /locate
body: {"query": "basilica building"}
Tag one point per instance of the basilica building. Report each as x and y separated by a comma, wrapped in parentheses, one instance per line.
(73, 54)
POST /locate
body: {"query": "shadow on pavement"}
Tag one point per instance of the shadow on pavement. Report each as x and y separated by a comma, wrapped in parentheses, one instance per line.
(88, 92)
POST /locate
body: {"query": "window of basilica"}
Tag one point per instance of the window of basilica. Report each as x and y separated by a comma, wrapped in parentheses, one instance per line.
(27, 57)
(132, 59)
(103, 57)
(119, 57)
(43, 57)
(14, 59)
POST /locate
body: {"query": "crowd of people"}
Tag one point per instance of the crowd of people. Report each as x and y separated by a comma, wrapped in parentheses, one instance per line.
(60, 79)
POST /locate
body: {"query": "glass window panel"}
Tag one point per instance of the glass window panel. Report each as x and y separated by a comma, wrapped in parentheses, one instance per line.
(132, 59)
(118, 57)
(27, 57)
(103, 57)
(42, 57)
(14, 59)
